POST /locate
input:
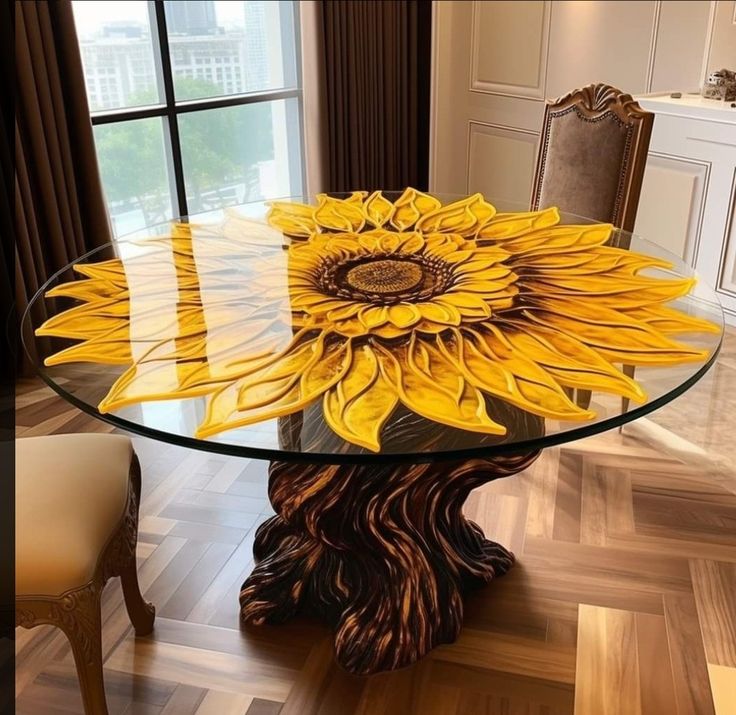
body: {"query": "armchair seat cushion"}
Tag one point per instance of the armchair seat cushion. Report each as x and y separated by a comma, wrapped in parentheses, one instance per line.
(71, 493)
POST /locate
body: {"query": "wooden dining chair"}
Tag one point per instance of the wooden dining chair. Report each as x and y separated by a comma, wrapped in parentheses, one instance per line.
(592, 155)
(77, 499)
(591, 161)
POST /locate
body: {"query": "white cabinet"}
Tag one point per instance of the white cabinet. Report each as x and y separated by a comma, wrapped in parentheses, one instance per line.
(689, 191)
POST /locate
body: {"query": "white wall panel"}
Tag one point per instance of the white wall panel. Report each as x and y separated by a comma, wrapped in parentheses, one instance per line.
(509, 49)
(728, 269)
(595, 41)
(681, 30)
(671, 204)
(501, 162)
(722, 50)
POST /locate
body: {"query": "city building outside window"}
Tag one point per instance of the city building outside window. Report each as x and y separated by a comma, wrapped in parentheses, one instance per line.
(195, 104)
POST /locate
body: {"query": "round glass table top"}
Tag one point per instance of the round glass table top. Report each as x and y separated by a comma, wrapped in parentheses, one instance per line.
(372, 328)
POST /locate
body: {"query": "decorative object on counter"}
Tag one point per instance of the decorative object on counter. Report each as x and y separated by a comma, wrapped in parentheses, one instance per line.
(383, 303)
(720, 85)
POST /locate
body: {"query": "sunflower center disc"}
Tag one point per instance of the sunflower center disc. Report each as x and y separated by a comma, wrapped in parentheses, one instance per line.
(386, 276)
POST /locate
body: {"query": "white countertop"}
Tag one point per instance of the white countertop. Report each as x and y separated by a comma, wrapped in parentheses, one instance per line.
(689, 105)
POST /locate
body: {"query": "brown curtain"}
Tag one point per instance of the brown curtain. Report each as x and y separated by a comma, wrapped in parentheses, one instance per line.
(376, 80)
(59, 205)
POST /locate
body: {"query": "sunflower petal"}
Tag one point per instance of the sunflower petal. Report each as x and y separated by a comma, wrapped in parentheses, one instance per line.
(464, 217)
(404, 315)
(358, 406)
(227, 410)
(571, 362)
(511, 225)
(378, 209)
(613, 334)
(410, 207)
(617, 291)
(669, 320)
(106, 351)
(446, 314)
(293, 219)
(149, 381)
(338, 214)
(435, 390)
(490, 364)
(562, 239)
(270, 383)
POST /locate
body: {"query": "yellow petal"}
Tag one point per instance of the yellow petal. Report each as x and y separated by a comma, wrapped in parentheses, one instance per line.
(470, 305)
(379, 240)
(338, 214)
(511, 225)
(404, 315)
(596, 260)
(511, 375)
(358, 406)
(112, 270)
(464, 217)
(569, 361)
(410, 207)
(445, 314)
(287, 395)
(614, 335)
(669, 320)
(378, 209)
(270, 383)
(149, 381)
(293, 219)
(99, 350)
(356, 197)
(435, 391)
(373, 315)
(565, 239)
(89, 320)
(94, 289)
(618, 291)
(411, 242)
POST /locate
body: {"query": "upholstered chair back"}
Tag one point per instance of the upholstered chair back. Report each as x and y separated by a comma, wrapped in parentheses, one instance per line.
(592, 155)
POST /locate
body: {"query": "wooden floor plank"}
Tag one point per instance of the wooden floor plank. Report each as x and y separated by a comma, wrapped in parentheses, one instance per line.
(714, 586)
(689, 667)
(607, 670)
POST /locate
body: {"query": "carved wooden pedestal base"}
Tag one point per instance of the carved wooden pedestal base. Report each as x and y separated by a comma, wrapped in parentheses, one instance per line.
(382, 553)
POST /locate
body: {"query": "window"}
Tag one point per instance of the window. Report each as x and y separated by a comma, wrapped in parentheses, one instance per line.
(174, 136)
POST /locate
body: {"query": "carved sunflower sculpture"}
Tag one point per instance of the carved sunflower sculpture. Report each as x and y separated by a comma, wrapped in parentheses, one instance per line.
(370, 303)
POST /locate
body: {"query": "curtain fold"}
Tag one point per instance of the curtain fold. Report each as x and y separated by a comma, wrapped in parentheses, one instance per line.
(377, 59)
(60, 211)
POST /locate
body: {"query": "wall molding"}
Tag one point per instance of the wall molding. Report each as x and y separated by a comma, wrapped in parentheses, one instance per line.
(653, 46)
(707, 166)
(536, 92)
(728, 244)
(527, 133)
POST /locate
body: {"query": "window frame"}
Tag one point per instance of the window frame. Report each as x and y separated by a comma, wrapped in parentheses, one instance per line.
(169, 110)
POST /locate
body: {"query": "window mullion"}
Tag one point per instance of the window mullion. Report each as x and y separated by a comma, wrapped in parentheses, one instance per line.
(167, 78)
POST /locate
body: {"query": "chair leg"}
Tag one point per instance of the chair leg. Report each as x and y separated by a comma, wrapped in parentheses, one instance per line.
(629, 371)
(85, 635)
(141, 613)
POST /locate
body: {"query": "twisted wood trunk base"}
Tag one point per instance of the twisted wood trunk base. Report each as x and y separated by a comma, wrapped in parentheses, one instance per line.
(382, 553)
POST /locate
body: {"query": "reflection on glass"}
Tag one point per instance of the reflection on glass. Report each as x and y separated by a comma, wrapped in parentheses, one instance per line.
(376, 310)
(223, 48)
(134, 175)
(237, 154)
(117, 53)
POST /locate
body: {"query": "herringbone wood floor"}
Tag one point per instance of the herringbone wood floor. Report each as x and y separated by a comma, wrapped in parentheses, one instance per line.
(623, 600)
